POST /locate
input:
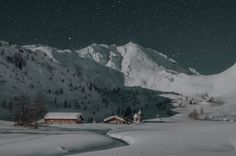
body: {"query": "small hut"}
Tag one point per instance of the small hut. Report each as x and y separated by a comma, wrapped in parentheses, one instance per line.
(64, 118)
(115, 120)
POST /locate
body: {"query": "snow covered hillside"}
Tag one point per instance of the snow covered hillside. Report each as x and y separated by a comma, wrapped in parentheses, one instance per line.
(67, 82)
(150, 69)
(101, 77)
(140, 66)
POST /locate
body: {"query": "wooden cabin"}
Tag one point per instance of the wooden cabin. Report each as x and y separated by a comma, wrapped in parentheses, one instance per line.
(63, 118)
(115, 120)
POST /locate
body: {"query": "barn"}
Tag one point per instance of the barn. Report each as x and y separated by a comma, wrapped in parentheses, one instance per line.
(115, 120)
(64, 118)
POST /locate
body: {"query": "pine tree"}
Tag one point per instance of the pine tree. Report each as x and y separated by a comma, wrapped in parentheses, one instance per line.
(22, 111)
(118, 111)
(69, 105)
(127, 113)
(55, 100)
(10, 106)
(3, 104)
(85, 107)
(39, 109)
(90, 86)
(61, 91)
(83, 89)
(71, 85)
(65, 104)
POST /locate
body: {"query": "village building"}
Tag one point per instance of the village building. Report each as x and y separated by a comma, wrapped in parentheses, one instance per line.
(115, 120)
(138, 117)
(63, 118)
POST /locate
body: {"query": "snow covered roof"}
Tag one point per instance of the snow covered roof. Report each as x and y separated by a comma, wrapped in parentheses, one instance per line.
(114, 117)
(64, 115)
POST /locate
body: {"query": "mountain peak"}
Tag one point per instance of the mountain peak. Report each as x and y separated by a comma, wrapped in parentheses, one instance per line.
(4, 43)
(132, 43)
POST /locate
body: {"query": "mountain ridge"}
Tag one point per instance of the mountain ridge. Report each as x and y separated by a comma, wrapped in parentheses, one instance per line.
(102, 77)
(68, 83)
(151, 69)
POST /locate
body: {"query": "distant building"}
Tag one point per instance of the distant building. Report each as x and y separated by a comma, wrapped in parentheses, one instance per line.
(63, 118)
(115, 120)
(138, 117)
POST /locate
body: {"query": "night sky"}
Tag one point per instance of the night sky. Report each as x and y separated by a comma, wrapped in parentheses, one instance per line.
(197, 33)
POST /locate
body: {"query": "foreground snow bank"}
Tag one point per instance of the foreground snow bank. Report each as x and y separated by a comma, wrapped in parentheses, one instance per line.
(195, 138)
(55, 140)
(25, 142)
(172, 138)
(52, 145)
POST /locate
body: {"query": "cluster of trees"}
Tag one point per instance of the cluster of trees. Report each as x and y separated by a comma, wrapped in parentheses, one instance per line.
(28, 112)
(17, 59)
(8, 105)
(194, 114)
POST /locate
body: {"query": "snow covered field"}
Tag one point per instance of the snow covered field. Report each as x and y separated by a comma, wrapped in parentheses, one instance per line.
(51, 141)
(183, 137)
(177, 135)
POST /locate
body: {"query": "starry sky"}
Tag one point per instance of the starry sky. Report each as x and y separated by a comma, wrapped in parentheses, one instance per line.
(196, 33)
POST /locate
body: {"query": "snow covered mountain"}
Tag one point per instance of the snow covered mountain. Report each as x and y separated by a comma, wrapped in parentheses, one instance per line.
(92, 77)
(131, 54)
(150, 69)
(68, 82)
(140, 66)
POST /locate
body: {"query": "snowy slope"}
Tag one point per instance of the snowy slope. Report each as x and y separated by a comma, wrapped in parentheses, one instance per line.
(215, 85)
(120, 57)
(80, 72)
(67, 81)
(104, 54)
(150, 69)
(141, 66)
(225, 82)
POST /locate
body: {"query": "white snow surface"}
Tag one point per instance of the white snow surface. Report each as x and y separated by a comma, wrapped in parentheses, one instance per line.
(113, 117)
(150, 69)
(63, 115)
(177, 138)
(174, 136)
(46, 49)
(28, 142)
